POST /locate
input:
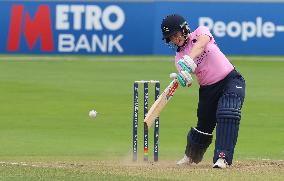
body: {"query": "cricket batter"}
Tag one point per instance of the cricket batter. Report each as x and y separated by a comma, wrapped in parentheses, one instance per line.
(221, 92)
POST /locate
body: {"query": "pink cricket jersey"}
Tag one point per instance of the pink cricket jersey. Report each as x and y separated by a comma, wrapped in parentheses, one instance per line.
(212, 64)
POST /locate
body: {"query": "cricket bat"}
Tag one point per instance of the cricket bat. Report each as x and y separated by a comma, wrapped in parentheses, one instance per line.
(160, 103)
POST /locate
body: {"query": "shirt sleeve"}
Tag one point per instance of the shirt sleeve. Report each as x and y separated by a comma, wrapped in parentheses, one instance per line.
(203, 30)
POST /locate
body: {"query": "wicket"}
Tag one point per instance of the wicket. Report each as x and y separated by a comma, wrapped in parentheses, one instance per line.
(135, 120)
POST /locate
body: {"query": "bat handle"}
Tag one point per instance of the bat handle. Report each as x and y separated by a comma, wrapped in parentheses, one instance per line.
(145, 125)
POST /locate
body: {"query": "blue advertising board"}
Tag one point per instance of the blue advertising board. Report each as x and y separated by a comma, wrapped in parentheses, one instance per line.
(133, 28)
(238, 28)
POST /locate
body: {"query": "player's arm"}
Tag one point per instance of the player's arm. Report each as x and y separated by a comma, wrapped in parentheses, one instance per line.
(187, 63)
(199, 46)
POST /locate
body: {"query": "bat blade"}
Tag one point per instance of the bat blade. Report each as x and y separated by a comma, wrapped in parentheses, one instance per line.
(160, 103)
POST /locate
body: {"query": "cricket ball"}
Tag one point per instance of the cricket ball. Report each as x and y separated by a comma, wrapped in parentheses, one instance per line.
(93, 114)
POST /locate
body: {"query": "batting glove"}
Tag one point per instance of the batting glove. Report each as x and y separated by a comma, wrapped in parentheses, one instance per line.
(187, 64)
(184, 78)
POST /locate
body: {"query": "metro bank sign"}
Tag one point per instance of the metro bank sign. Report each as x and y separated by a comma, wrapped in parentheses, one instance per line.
(66, 28)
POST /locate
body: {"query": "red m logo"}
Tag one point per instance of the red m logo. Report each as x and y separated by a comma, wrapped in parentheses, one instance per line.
(38, 27)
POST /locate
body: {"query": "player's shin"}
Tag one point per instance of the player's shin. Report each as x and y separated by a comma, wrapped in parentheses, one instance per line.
(228, 120)
(197, 144)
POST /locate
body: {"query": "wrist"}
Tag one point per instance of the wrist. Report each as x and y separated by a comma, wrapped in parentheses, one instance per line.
(189, 63)
(187, 58)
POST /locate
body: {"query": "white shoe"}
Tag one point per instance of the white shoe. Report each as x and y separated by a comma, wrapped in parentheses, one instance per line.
(184, 161)
(220, 163)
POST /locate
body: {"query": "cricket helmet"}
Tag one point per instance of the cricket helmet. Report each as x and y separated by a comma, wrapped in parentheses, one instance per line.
(173, 23)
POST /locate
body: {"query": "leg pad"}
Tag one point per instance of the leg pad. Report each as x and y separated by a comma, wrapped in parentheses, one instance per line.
(228, 119)
(197, 144)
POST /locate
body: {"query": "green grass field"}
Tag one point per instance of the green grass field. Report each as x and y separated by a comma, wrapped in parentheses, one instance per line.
(46, 134)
